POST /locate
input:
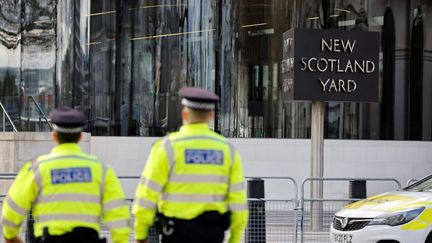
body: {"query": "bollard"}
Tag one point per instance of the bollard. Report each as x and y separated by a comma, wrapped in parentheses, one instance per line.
(256, 229)
(357, 189)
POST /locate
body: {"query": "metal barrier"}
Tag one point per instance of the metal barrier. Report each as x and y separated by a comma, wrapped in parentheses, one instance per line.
(280, 215)
(10, 177)
(40, 119)
(153, 236)
(411, 181)
(277, 220)
(5, 116)
(39, 109)
(323, 209)
(284, 219)
(271, 219)
(105, 233)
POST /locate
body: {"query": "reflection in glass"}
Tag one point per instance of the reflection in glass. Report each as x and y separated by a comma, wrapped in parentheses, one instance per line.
(140, 55)
(122, 62)
(415, 86)
(10, 57)
(250, 57)
(27, 60)
(38, 61)
(388, 76)
(101, 68)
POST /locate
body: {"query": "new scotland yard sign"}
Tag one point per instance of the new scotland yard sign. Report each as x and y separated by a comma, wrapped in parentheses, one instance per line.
(330, 65)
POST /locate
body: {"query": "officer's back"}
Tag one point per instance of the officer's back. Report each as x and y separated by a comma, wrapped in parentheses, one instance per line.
(193, 181)
(70, 191)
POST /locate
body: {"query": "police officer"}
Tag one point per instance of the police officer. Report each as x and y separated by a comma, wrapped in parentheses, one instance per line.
(68, 190)
(193, 181)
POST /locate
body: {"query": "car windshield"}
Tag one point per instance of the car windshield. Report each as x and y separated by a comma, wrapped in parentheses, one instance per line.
(424, 184)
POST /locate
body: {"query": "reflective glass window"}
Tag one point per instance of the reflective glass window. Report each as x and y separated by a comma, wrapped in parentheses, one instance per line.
(122, 63)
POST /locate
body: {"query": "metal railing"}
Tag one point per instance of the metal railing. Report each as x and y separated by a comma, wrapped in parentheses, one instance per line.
(317, 216)
(272, 220)
(411, 181)
(41, 117)
(6, 115)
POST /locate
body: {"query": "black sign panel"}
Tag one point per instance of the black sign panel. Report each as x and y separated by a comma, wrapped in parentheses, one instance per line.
(330, 65)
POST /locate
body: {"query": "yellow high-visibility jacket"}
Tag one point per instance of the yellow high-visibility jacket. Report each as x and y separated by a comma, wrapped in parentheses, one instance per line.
(67, 188)
(190, 172)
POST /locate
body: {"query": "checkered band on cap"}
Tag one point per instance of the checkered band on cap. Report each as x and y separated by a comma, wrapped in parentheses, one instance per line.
(198, 105)
(67, 129)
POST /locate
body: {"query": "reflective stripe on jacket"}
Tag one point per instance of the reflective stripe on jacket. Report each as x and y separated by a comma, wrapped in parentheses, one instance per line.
(65, 188)
(190, 172)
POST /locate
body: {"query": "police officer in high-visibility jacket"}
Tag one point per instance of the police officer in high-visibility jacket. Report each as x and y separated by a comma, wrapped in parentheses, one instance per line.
(69, 192)
(192, 184)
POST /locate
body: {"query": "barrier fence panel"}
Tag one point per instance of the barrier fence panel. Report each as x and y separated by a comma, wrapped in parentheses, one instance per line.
(275, 220)
(6, 180)
(153, 236)
(26, 232)
(329, 208)
(280, 219)
(411, 181)
(323, 209)
(272, 219)
(276, 223)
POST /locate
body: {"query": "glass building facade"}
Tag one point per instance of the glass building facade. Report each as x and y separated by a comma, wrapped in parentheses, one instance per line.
(123, 61)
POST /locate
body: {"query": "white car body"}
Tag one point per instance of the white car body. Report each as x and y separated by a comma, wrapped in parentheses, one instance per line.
(352, 224)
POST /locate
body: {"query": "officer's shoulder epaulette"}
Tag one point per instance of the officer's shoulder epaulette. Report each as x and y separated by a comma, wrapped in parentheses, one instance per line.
(31, 161)
(93, 157)
(157, 142)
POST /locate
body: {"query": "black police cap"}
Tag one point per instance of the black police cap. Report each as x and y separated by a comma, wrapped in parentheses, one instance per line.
(198, 98)
(67, 120)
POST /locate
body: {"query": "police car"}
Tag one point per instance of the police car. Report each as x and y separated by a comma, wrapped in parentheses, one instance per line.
(403, 216)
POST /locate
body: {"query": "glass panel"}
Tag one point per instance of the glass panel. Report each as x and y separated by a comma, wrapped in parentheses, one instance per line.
(251, 39)
(28, 61)
(122, 63)
(10, 59)
(38, 61)
(102, 68)
(140, 54)
(174, 47)
(427, 70)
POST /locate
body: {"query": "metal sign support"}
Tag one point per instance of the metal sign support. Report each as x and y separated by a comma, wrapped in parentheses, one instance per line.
(317, 162)
(317, 145)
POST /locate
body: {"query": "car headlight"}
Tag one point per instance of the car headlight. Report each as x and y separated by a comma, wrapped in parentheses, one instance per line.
(395, 219)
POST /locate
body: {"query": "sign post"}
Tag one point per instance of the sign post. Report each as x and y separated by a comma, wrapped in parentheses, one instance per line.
(317, 163)
(328, 65)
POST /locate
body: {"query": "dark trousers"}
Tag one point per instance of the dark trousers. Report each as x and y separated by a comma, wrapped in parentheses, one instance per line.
(207, 228)
(79, 234)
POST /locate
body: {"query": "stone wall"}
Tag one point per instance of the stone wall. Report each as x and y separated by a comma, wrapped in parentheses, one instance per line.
(402, 160)
(18, 148)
